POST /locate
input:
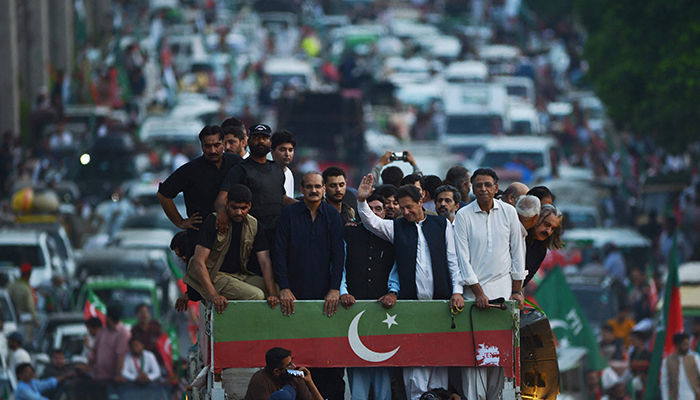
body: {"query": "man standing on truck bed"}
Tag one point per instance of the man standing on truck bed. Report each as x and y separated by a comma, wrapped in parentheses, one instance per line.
(199, 181)
(309, 259)
(264, 178)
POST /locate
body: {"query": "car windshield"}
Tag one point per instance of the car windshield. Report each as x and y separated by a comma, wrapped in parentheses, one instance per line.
(521, 127)
(473, 124)
(498, 159)
(128, 299)
(598, 305)
(72, 344)
(516, 90)
(283, 79)
(579, 220)
(154, 269)
(5, 311)
(17, 254)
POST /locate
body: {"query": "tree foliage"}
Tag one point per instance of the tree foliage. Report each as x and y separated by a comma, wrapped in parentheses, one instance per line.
(644, 59)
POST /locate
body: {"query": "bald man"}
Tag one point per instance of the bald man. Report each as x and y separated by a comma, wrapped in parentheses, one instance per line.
(513, 193)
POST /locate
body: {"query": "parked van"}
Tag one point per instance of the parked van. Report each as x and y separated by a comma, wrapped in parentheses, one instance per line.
(285, 70)
(520, 89)
(474, 114)
(526, 159)
(524, 120)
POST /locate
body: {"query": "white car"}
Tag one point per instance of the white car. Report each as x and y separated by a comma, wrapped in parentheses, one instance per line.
(18, 246)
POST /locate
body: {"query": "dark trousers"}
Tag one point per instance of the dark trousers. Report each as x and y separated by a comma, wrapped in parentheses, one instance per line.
(329, 382)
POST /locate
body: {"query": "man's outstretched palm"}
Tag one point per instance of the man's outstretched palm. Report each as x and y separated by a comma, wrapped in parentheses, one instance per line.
(365, 189)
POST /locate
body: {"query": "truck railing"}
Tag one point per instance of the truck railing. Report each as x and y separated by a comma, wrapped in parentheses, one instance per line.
(412, 333)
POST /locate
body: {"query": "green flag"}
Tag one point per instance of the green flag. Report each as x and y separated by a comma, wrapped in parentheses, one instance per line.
(568, 322)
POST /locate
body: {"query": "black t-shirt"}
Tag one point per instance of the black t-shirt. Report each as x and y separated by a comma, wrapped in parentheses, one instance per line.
(199, 181)
(266, 182)
(232, 259)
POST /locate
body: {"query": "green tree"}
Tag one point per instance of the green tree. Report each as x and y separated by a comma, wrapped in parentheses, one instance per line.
(644, 59)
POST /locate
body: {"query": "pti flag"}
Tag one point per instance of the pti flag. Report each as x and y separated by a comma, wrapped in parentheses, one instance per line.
(94, 307)
(670, 324)
(568, 322)
(412, 333)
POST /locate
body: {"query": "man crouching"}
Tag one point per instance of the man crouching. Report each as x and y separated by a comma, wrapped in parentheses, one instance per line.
(218, 269)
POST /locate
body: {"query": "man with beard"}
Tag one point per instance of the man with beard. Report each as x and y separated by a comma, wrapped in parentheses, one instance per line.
(447, 200)
(264, 178)
(336, 187)
(219, 268)
(680, 371)
(275, 378)
(458, 177)
(367, 266)
(391, 205)
(235, 140)
(283, 145)
(545, 235)
(309, 259)
(199, 181)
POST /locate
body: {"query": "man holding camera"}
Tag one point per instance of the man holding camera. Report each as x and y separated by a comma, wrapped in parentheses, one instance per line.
(281, 375)
(390, 157)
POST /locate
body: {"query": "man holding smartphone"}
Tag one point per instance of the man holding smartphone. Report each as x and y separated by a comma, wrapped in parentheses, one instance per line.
(280, 374)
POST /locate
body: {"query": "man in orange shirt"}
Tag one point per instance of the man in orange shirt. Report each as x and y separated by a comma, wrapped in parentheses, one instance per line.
(622, 325)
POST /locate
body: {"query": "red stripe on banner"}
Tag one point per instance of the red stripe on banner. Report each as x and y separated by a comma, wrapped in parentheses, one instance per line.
(448, 349)
(674, 322)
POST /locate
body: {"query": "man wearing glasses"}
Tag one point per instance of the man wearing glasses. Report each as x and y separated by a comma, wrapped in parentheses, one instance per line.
(491, 253)
(308, 263)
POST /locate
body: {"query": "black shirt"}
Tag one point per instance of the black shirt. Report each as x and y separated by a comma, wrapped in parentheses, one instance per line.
(199, 181)
(535, 252)
(232, 259)
(266, 182)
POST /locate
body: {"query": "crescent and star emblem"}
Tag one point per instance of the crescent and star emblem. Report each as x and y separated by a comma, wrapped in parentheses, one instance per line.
(360, 349)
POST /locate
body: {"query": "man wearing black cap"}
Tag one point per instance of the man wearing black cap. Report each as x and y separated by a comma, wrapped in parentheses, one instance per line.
(264, 178)
(199, 181)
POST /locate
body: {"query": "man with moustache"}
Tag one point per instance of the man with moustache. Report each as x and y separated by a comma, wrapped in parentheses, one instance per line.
(283, 145)
(308, 263)
(235, 140)
(544, 235)
(336, 187)
(264, 178)
(199, 181)
(391, 205)
(491, 251)
(447, 199)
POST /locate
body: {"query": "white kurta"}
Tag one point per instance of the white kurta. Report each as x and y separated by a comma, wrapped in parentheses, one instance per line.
(491, 252)
(289, 182)
(134, 365)
(384, 228)
(490, 248)
(685, 391)
(420, 379)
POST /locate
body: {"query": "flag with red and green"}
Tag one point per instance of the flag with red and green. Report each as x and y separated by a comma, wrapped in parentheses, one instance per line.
(412, 333)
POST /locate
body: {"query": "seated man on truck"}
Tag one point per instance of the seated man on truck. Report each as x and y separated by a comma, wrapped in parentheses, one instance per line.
(218, 269)
(277, 378)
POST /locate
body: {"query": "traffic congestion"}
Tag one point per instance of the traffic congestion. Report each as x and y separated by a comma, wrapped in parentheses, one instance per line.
(107, 237)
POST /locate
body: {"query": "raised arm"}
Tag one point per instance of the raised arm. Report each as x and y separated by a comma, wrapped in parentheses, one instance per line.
(380, 227)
